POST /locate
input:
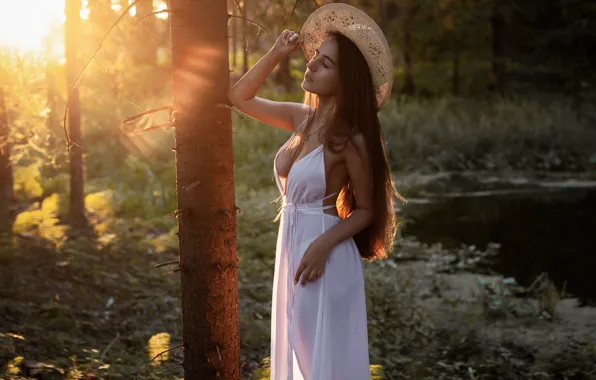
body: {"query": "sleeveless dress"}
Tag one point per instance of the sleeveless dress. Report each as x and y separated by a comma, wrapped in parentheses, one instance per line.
(319, 330)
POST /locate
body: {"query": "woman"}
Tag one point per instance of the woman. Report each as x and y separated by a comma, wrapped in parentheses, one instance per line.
(336, 188)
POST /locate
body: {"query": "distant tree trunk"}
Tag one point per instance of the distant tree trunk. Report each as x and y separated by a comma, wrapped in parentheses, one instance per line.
(234, 35)
(497, 22)
(282, 75)
(455, 79)
(205, 188)
(383, 19)
(5, 169)
(406, 14)
(147, 32)
(244, 39)
(408, 88)
(53, 119)
(77, 193)
(100, 12)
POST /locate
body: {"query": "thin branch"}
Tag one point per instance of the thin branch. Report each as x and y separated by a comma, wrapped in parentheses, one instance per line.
(105, 71)
(238, 6)
(78, 78)
(148, 112)
(251, 21)
(103, 354)
(293, 9)
(151, 128)
(153, 14)
(155, 357)
(169, 367)
(172, 262)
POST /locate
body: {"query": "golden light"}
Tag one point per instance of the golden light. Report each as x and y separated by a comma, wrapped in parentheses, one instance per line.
(24, 24)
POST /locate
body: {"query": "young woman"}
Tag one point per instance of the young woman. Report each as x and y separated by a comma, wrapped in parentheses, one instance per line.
(336, 188)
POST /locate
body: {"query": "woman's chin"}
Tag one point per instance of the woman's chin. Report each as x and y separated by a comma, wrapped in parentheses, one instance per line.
(306, 85)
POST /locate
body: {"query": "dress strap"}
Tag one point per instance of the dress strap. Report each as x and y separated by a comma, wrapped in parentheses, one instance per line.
(330, 195)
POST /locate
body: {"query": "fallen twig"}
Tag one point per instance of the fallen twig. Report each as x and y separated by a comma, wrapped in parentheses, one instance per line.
(155, 357)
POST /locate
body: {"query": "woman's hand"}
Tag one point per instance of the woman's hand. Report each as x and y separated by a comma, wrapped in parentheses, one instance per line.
(287, 42)
(312, 265)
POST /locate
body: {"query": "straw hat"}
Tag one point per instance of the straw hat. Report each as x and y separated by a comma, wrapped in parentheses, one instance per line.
(362, 31)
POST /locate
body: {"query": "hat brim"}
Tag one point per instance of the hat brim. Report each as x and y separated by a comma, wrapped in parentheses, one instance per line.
(363, 31)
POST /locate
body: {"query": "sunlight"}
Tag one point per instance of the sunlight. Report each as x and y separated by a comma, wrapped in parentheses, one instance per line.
(25, 29)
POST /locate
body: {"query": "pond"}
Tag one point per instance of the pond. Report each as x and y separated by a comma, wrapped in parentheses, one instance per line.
(542, 226)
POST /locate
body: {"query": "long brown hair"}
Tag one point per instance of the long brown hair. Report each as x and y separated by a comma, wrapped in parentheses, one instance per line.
(355, 111)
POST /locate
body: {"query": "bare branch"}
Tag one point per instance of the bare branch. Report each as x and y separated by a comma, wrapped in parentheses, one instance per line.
(238, 6)
(105, 71)
(78, 78)
(293, 9)
(153, 14)
(251, 21)
(103, 354)
(148, 112)
(172, 262)
(155, 357)
(169, 367)
(151, 128)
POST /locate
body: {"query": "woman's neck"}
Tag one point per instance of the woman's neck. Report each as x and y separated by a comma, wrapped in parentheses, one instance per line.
(324, 109)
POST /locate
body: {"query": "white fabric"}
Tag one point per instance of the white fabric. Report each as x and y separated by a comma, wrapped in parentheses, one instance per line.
(318, 331)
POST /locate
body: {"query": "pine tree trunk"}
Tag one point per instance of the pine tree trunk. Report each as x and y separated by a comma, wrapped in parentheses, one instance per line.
(244, 39)
(498, 50)
(455, 78)
(147, 32)
(406, 14)
(282, 75)
(5, 169)
(77, 194)
(205, 188)
(234, 35)
(100, 12)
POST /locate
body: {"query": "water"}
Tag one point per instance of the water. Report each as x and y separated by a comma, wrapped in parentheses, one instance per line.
(546, 227)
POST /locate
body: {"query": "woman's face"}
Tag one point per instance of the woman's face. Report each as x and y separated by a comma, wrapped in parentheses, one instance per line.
(321, 71)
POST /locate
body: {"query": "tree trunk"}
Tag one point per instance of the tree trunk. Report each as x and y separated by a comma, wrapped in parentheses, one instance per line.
(147, 33)
(100, 12)
(282, 75)
(498, 49)
(205, 188)
(77, 194)
(234, 35)
(5, 169)
(244, 39)
(455, 79)
(406, 14)
(408, 88)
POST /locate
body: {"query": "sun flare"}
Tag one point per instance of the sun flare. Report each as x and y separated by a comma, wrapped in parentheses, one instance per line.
(26, 24)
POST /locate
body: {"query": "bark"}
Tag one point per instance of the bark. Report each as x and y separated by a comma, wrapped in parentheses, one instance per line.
(5, 169)
(205, 188)
(77, 193)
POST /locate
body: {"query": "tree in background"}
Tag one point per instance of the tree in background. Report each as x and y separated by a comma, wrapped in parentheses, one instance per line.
(205, 188)
(5, 168)
(77, 193)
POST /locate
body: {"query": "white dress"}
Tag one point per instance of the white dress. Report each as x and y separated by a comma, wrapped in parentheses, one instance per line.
(318, 331)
